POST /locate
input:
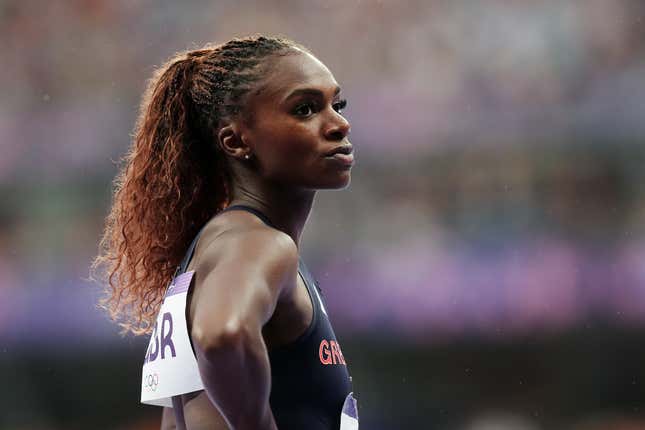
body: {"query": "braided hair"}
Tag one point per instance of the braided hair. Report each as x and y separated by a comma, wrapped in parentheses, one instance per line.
(174, 177)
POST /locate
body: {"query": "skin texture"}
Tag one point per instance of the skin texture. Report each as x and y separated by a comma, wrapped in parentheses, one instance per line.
(248, 297)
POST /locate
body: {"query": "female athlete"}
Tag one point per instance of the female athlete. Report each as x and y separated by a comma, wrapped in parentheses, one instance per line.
(201, 245)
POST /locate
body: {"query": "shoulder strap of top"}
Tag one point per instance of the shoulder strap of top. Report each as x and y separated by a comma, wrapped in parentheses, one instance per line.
(191, 249)
(254, 211)
(189, 254)
(304, 270)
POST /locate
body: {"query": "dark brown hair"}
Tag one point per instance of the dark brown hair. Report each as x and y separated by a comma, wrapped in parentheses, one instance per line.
(174, 177)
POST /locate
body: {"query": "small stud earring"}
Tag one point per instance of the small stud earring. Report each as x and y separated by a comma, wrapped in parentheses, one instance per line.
(247, 156)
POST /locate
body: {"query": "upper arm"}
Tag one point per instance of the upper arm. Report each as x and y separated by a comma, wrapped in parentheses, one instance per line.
(238, 282)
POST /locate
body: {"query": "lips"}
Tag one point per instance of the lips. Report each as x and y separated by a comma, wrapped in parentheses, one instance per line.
(341, 157)
(343, 149)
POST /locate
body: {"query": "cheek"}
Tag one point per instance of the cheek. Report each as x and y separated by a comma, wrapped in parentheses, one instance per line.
(290, 150)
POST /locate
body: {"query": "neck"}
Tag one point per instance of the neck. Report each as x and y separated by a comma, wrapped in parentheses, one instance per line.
(286, 208)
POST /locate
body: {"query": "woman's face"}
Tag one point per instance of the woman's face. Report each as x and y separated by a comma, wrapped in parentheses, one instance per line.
(296, 122)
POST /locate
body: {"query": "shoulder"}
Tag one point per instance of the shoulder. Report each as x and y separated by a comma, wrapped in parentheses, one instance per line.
(242, 270)
(245, 245)
(236, 245)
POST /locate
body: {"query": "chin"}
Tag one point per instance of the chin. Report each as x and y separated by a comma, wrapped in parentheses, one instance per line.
(337, 183)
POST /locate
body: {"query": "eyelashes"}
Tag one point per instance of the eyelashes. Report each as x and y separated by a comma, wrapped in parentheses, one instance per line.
(309, 108)
(340, 105)
(304, 110)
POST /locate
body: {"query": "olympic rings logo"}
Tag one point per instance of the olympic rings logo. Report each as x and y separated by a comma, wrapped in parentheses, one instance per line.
(151, 381)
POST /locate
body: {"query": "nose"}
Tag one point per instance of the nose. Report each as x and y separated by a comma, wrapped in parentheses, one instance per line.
(337, 128)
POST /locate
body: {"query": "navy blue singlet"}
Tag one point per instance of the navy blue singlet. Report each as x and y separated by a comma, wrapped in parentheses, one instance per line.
(309, 377)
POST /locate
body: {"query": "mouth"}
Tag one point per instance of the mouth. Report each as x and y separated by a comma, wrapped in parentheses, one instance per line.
(342, 156)
(343, 149)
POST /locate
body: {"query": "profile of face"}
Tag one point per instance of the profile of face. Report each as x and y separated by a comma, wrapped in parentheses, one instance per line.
(295, 123)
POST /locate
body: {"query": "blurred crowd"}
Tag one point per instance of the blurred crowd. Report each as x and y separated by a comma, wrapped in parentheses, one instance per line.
(419, 74)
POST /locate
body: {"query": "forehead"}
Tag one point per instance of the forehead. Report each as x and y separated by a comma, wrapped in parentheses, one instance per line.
(289, 72)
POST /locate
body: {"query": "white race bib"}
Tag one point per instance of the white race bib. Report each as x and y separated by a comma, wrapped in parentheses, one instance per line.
(170, 367)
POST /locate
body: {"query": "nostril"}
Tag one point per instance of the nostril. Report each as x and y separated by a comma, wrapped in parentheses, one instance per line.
(336, 135)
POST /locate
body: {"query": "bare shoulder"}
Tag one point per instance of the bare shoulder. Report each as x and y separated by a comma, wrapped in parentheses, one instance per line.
(245, 242)
(243, 268)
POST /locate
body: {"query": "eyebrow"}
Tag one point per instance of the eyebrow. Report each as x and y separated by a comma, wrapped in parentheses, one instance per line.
(310, 92)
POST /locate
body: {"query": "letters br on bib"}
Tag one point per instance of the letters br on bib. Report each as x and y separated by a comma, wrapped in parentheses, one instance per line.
(170, 367)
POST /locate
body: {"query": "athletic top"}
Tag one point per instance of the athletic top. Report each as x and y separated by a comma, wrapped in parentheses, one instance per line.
(310, 384)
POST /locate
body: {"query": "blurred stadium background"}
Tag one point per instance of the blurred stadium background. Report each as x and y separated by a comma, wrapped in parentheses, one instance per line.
(485, 271)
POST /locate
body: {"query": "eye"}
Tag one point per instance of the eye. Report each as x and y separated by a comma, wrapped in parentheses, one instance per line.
(340, 105)
(304, 110)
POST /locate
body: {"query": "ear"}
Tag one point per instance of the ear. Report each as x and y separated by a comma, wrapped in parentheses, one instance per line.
(231, 142)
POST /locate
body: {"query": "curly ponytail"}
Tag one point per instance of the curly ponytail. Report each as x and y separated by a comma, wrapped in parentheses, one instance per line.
(174, 177)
